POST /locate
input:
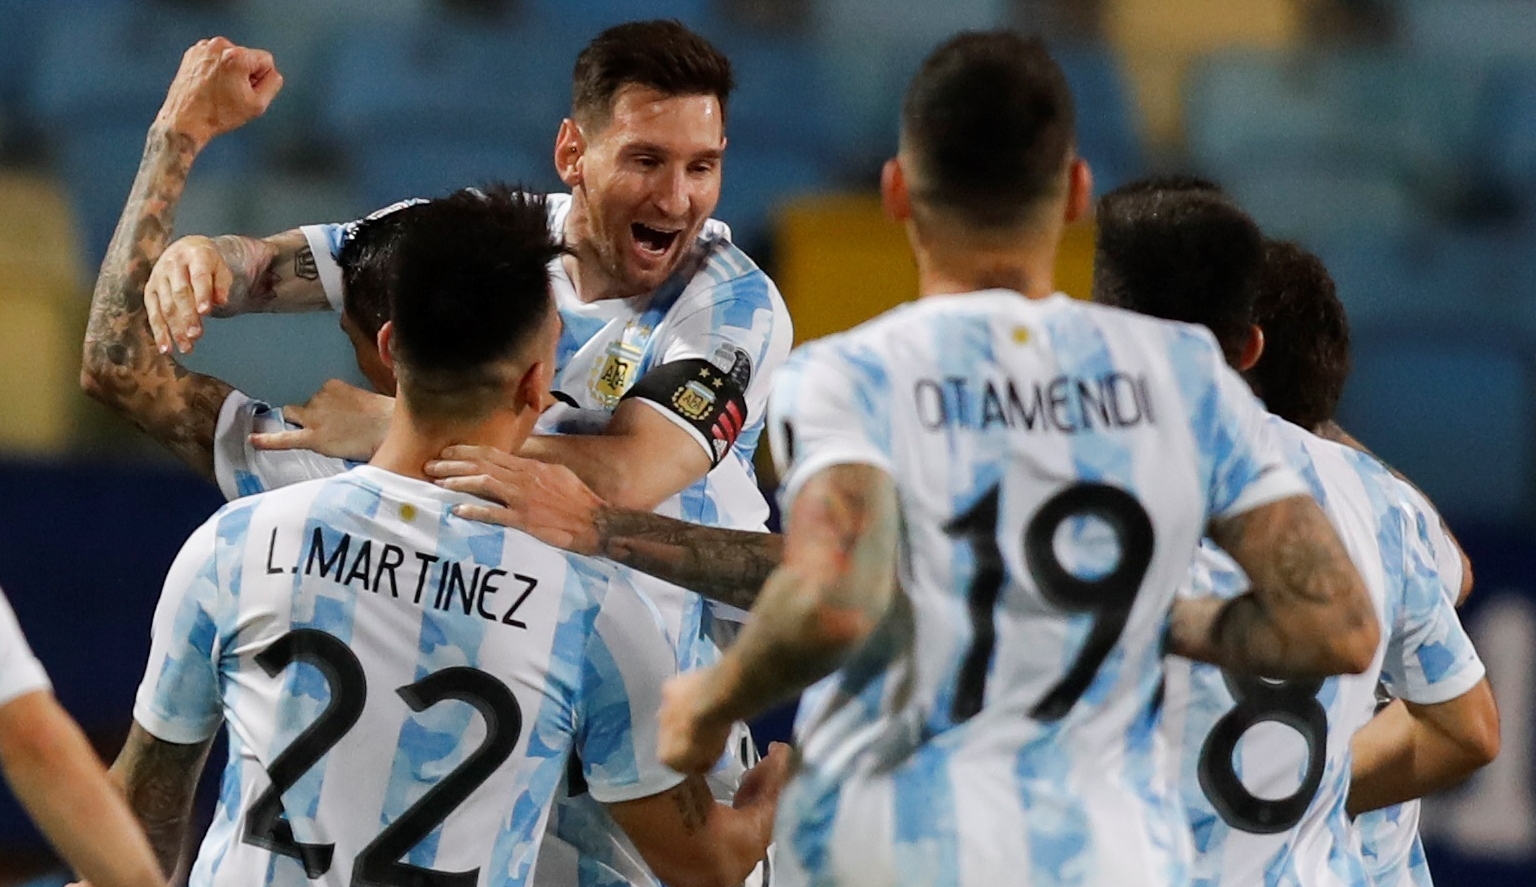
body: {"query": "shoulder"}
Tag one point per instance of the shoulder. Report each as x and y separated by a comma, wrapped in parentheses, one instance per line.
(724, 273)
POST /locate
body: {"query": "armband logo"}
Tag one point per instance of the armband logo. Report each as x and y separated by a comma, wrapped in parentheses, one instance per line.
(693, 401)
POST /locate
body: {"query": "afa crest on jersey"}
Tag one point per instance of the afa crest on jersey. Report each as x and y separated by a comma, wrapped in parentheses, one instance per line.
(693, 401)
(615, 373)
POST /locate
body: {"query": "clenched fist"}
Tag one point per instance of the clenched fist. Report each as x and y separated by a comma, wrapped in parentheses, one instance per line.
(219, 87)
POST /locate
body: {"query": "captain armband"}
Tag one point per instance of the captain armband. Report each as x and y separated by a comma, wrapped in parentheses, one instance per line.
(703, 398)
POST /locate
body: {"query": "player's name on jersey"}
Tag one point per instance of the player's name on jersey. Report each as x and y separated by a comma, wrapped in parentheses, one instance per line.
(426, 580)
(1067, 404)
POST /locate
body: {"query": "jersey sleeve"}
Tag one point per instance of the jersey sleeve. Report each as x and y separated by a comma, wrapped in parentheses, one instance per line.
(829, 408)
(628, 659)
(325, 244)
(243, 470)
(20, 672)
(178, 700)
(1249, 468)
(1429, 659)
(716, 361)
(1441, 551)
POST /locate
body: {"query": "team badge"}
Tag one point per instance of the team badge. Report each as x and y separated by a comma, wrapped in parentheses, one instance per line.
(614, 374)
(693, 401)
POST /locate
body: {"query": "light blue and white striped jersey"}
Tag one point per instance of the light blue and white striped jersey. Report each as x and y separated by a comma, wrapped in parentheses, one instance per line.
(1263, 765)
(717, 306)
(1389, 838)
(1056, 464)
(402, 688)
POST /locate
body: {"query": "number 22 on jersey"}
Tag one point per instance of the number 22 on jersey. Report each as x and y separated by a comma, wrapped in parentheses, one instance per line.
(379, 863)
(1108, 598)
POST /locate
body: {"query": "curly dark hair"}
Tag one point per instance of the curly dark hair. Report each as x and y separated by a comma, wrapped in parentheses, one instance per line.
(1305, 363)
(1180, 249)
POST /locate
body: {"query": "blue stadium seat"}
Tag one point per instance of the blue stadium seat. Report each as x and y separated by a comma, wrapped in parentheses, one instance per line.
(1426, 276)
(591, 16)
(757, 182)
(1509, 133)
(1452, 410)
(430, 166)
(1106, 126)
(1470, 29)
(452, 79)
(1313, 202)
(1242, 106)
(240, 351)
(782, 96)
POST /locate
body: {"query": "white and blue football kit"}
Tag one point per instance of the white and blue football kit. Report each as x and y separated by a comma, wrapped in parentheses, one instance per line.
(402, 688)
(1389, 838)
(1264, 765)
(713, 333)
(1056, 464)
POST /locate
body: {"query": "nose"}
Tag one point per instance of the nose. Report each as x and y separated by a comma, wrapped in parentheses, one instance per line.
(672, 193)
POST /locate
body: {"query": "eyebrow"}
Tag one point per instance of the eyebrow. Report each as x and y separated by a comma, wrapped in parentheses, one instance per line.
(653, 148)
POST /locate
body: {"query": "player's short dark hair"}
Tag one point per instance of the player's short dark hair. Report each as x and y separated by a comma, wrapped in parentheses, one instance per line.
(662, 54)
(988, 121)
(1305, 363)
(1186, 254)
(467, 284)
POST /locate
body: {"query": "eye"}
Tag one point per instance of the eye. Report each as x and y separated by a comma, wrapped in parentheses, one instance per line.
(647, 162)
(704, 167)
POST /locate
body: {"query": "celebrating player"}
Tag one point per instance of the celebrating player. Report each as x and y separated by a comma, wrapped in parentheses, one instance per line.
(1411, 748)
(55, 774)
(1045, 469)
(402, 687)
(676, 344)
(1262, 806)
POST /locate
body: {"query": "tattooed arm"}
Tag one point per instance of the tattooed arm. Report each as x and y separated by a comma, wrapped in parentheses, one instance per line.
(837, 580)
(1307, 613)
(159, 779)
(688, 840)
(218, 88)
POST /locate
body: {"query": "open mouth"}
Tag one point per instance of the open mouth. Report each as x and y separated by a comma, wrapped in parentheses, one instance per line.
(653, 240)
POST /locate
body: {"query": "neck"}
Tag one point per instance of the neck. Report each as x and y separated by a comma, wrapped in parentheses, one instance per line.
(954, 262)
(412, 441)
(583, 264)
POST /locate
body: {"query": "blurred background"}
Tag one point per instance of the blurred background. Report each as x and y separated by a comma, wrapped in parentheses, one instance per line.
(1395, 137)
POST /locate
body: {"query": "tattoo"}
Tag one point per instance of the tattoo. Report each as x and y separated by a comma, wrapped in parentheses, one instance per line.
(694, 802)
(1304, 589)
(834, 587)
(728, 566)
(122, 366)
(159, 781)
(304, 266)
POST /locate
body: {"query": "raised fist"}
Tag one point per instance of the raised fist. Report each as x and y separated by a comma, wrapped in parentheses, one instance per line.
(219, 87)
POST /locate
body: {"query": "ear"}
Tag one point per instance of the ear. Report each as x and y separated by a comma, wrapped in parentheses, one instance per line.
(894, 195)
(1079, 190)
(1253, 349)
(533, 387)
(386, 341)
(570, 147)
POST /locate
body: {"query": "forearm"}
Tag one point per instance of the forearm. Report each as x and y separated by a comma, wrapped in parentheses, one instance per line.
(57, 777)
(618, 467)
(1243, 634)
(121, 366)
(738, 841)
(159, 780)
(275, 275)
(1408, 751)
(1381, 758)
(728, 566)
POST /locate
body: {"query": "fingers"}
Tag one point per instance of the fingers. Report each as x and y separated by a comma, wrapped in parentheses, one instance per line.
(486, 514)
(466, 453)
(451, 468)
(154, 292)
(481, 485)
(297, 439)
(185, 324)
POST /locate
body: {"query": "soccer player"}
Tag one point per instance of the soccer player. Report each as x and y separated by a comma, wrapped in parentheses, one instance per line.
(55, 774)
(992, 495)
(1264, 765)
(205, 420)
(403, 688)
(1410, 748)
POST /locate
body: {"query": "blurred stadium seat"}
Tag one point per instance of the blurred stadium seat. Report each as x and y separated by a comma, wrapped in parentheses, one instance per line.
(281, 201)
(1312, 202)
(758, 182)
(1107, 133)
(781, 99)
(1451, 408)
(1470, 29)
(426, 165)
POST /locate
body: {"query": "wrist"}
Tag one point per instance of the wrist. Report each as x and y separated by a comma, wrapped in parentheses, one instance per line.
(167, 133)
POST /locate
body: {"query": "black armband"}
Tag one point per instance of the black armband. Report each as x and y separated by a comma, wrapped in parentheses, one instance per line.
(710, 401)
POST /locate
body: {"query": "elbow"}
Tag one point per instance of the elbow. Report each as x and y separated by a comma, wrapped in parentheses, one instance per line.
(718, 869)
(1354, 650)
(1481, 739)
(1466, 580)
